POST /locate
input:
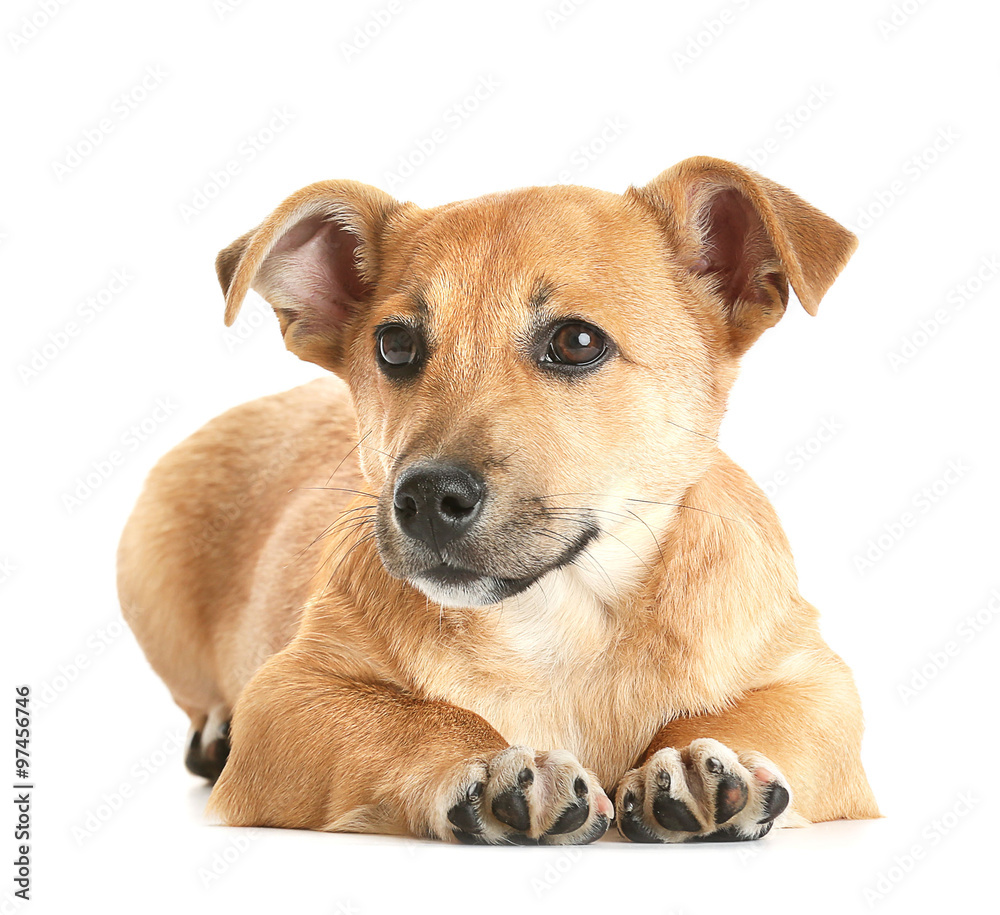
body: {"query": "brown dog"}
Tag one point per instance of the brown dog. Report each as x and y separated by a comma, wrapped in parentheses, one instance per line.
(506, 566)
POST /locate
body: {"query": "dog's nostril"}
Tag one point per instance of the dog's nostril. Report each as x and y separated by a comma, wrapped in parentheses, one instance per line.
(405, 505)
(458, 506)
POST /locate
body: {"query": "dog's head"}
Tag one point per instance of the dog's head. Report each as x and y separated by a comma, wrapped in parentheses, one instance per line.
(539, 375)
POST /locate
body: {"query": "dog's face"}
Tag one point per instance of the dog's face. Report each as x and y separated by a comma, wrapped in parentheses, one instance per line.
(514, 378)
(539, 375)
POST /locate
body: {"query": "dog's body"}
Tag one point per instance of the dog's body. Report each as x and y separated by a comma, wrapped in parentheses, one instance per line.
(522, 571)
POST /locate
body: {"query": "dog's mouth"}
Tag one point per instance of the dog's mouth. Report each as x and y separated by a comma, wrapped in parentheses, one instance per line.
(453, 584)
(445, 574)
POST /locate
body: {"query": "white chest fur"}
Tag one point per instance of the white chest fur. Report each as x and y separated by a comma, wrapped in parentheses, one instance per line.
(546, 673)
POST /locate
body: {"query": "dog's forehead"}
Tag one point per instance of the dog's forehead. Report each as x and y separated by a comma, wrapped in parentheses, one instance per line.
(507, 249)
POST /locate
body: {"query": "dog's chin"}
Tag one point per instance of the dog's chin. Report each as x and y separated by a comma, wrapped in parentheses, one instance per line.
(459, 588)
(472, 594)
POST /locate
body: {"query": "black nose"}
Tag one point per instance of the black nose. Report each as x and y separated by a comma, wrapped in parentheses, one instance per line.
(437, 502)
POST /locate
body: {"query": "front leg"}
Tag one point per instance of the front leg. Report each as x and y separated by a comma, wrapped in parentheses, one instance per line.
(315, 750)
(784, 754)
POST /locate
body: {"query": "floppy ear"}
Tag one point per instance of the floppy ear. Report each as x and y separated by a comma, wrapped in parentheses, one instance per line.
(750, 238)
(315, 259)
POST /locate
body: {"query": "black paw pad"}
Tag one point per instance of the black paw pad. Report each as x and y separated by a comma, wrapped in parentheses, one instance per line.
(206, 761)
(464, 814)
(631, 826)
(511, 807)
(216, 754)
(731, 834)
(517, 838)
(776, 802)
(571, 819)
(674, 814)
(596, 830)
(730, 798)
(193, 750)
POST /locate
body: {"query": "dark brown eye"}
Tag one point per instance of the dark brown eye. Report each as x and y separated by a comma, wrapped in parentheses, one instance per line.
(398, 349)
(576, 344)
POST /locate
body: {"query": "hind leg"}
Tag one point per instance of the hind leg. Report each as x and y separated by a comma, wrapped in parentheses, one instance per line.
(208, 743)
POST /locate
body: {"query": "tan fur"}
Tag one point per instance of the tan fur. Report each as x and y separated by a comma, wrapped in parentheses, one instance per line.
(252, 580)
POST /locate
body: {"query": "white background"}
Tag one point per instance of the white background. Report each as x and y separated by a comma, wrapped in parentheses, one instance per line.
(884, 115)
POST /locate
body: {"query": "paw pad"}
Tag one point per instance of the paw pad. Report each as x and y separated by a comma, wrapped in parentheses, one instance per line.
(523, 798)
(702, 793)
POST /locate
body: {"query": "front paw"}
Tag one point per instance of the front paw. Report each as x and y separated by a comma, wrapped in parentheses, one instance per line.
(520, 797)
(702, 793)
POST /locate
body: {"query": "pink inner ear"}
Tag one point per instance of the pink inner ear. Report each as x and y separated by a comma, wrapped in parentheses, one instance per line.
(728, 221)
(314, 269)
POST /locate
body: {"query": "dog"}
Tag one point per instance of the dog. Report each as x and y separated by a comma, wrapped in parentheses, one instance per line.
(496, 583)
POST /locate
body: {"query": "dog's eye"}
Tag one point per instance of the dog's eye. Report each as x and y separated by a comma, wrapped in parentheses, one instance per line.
(398, 349)
(576, 344)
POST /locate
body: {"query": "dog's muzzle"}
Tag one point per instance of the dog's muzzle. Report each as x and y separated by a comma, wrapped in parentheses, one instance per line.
(436, 535)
